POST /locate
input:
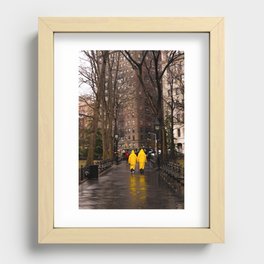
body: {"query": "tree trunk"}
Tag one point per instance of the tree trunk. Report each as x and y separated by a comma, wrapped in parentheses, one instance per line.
(98, 103)
(92, 140)
(163, 141)
(104, 139)
(172, 144)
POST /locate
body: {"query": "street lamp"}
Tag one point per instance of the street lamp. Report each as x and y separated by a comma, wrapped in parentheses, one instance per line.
(157, 130)
(155, 141)
(157, 127)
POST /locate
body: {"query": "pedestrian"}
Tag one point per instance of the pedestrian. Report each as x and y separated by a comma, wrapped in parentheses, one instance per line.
(142, 159)
(132, 160)
(127, 155)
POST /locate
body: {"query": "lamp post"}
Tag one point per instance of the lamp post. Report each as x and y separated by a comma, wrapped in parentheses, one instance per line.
(155, 141)
(116, 148)
(157, 131)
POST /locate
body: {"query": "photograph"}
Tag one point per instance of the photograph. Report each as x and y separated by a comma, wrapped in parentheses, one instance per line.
(126, 154)
(131, 129)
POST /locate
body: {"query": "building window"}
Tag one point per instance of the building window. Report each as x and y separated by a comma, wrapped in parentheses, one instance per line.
(134, 138)
(179, 145)
(179, 132)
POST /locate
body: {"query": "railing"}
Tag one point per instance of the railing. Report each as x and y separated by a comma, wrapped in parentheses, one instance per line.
(173, 174)
(85, 171)
(117, 160)
(103, 164)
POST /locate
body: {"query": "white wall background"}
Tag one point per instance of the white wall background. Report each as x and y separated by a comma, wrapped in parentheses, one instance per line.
(244, 133)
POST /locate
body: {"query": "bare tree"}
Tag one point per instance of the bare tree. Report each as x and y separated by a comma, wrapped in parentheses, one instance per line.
(109, 104)
(93, 73)
(150, 68)
(100, 71)
(174, 116)
(108, 92)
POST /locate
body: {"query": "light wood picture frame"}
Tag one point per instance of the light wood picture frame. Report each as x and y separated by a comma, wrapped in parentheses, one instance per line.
(47, 233)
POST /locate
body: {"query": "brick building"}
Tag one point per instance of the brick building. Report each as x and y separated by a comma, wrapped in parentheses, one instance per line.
(135, 120)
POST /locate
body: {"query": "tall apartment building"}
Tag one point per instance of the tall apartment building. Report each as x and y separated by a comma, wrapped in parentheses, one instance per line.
(135, 120)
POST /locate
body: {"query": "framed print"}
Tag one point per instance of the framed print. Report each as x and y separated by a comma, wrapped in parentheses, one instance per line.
(131, 130)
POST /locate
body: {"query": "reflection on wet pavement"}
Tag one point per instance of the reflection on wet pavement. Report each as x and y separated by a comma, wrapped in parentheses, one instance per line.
(118, 189)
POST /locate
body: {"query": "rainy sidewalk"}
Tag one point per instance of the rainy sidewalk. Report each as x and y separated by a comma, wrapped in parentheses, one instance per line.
(117, 188)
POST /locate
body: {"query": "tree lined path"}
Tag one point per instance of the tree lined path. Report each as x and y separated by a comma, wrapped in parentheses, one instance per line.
(119, 189)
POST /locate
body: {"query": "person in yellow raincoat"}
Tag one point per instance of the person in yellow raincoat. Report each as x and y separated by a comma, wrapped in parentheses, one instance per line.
(142, 159)
(132, 160)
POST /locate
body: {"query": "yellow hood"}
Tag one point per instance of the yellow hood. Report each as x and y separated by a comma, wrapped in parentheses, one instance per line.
(142, 156)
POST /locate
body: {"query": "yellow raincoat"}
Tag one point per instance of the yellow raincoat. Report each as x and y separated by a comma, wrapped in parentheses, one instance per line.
(142, 159)
(132, 160)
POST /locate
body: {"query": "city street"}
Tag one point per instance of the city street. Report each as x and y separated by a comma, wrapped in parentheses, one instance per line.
(118, 189)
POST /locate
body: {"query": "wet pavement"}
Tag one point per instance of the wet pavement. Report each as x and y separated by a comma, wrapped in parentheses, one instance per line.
(118, 189)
